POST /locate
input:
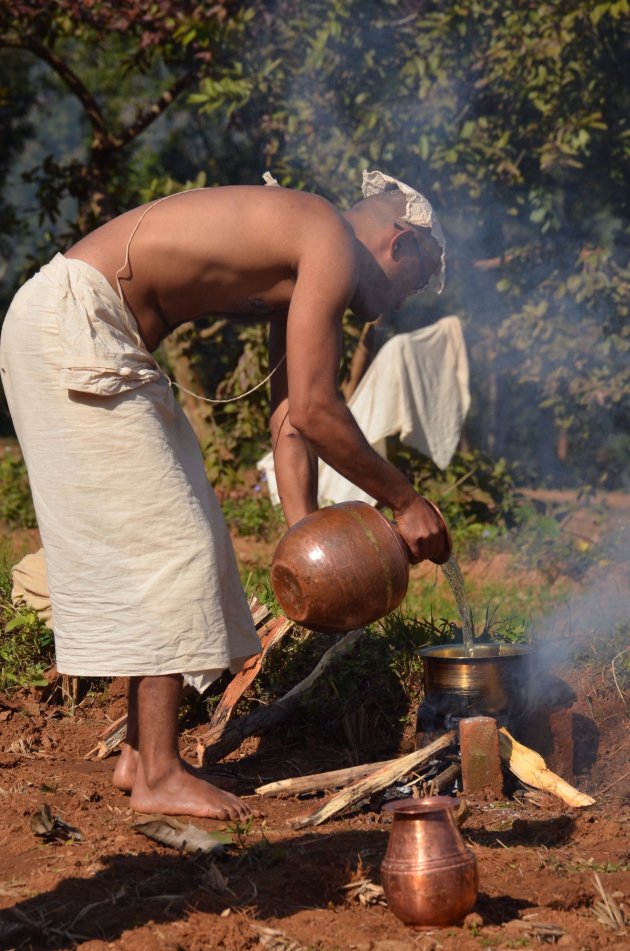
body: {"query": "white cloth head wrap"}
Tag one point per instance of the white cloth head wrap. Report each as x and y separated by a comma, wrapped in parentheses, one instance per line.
(419, 213)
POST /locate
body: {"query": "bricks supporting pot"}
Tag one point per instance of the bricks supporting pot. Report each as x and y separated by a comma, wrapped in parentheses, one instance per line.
(480, 760)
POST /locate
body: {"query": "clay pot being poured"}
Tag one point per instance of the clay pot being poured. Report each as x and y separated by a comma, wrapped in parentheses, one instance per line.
(340, 568)
(429, 876)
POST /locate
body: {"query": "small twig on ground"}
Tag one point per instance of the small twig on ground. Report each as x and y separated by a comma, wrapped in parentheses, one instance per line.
(365, 892)
(275, 940)
(614, 673)
(614, 783)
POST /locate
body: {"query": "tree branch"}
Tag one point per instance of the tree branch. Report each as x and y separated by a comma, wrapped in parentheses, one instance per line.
(156, 109)
(64, 72)
(74, 84)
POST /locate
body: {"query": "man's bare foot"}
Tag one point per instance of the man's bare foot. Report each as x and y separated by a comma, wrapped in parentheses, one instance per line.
(127, 766)
(125, 769)
(182, 793)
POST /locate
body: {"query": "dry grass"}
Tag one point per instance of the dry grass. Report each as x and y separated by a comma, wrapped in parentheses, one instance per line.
(606, 909)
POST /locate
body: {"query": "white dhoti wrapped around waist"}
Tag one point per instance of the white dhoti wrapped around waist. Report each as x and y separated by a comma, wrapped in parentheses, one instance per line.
(142, 573)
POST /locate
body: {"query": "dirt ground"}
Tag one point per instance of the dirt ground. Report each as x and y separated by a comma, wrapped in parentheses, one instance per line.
(284, 889)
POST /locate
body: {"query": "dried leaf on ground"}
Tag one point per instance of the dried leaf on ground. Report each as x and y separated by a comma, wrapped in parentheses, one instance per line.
(275, 940)
(53, 828)
(365, 892)
(188, 839)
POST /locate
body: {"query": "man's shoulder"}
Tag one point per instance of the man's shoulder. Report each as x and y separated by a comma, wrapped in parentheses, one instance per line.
(292, 201)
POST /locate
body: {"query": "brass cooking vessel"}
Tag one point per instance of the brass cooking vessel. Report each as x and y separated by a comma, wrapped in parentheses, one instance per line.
(495, 677)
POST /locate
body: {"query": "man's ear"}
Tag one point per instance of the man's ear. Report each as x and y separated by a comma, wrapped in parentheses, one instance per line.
(401, 241)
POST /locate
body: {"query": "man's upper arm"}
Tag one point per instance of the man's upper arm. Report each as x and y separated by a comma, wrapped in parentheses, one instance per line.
(325, 284)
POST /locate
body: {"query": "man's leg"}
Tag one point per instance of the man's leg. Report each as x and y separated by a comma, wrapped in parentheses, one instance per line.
(127, 765)
(162, 782)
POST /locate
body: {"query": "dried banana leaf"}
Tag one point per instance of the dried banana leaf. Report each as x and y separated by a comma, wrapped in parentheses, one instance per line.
(532, 770)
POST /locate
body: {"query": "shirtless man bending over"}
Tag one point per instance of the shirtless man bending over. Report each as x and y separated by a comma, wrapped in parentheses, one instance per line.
(143, 579)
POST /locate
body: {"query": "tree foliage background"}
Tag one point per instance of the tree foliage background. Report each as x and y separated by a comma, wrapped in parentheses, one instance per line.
(511, 117)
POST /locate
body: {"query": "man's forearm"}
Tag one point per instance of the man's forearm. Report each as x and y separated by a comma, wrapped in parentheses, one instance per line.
(295, 466)
(337, 439)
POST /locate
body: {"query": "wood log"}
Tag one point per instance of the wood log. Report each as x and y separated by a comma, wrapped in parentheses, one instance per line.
(313, 782)
(532, 770)
(265, 718)
(260, 612)
(444, 780)
(383, 778)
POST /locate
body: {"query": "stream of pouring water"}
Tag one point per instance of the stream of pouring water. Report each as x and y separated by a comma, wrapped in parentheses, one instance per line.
(454, 577)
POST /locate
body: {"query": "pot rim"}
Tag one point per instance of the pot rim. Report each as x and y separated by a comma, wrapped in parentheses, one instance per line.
(413, 807)
(484, 653)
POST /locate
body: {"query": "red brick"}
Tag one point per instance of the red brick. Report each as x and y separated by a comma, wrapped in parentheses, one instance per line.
(561, 757)
(481, 763)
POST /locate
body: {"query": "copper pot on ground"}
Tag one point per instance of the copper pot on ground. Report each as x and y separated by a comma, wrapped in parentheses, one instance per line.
(492, 680)
(429, 876)
(341, 567)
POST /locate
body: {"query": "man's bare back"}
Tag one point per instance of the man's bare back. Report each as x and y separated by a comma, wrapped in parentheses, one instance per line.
(269, 252)
(234, 251)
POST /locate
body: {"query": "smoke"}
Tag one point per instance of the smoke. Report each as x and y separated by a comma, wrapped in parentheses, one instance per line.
(588, 627)
(367, 96)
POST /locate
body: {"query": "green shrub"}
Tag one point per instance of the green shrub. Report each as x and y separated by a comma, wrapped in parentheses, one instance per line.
(16, 502)
(255, 515)
(476, 494)
(26, 644)
(367, 696)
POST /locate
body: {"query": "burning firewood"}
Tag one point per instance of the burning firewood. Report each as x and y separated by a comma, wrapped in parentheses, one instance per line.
(337, 778)
(531, 769)
(313, 782)
(381, 779)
